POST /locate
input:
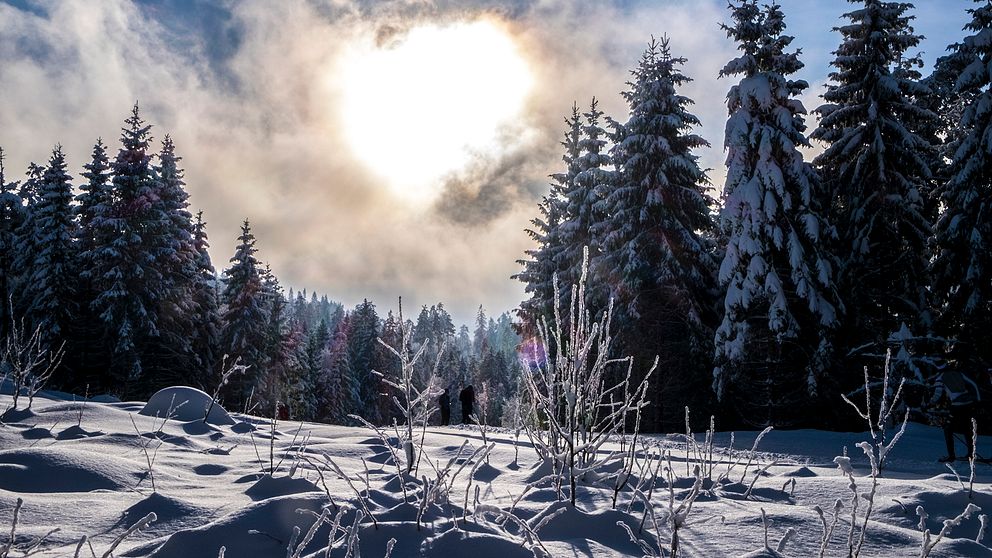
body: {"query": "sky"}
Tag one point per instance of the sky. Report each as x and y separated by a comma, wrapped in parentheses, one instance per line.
(379, 148)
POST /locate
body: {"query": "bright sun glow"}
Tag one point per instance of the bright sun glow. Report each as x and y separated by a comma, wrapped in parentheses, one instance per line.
(417, 108)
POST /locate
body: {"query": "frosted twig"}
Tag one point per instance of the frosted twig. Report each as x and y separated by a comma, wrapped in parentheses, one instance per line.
(789, 533)
(362, 500)
(5, 551)
(235, 368)
(758, 474)
(141, 524)
(754, 450)
(927, 546)
(971, 458)
(828, 532)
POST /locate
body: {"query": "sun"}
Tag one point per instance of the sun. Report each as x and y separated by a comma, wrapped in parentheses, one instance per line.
(419, 107)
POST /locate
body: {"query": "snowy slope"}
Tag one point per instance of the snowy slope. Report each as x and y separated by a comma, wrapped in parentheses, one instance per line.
(81, 469)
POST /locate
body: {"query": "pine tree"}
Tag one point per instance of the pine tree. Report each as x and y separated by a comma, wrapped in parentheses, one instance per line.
(480, 339)
(94, 199)
(583, 190)
(126, 266)
(777, 271)
(50, 286)
(875, 166)
(962, 268)
(11, 216)
(657, 255)
(24, 239)
(245, 321)
(205, 311)
(362, 347)
(305, 384)
(546, 259)
(172, 239)
(279, 369)
(337, 387)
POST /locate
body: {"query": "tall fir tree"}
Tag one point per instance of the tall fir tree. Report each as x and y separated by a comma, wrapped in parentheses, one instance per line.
(11, 216)
(24, 239)
(205, 310)
(583, 190)
(962, 267)
(176, 361)
(362, 348)
(94, 197)
(338, 389)
(50, 286)
(779, 304)
(875, 166)
(126, 265)
(658, 257)
(93, 204)
(546, 260)
(245, 323)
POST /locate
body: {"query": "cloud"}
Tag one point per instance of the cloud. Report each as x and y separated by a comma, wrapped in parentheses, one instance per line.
(248, 92)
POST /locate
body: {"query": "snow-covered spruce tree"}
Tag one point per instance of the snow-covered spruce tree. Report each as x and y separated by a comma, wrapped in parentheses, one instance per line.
(337, 386)
(779, 302)
(205, 309)
(583, 190)
(245, 320)
(962, 268)
(362, 343)
(656, 254)
(24, 237)
(545, 260)
(305, 378)
(11, 216)
(172, 359)
(874, 166)
(126, 264)
(95, 195)
(571, 387)
(50, 287)
(387, 365)
(93, 203)
(285, 377)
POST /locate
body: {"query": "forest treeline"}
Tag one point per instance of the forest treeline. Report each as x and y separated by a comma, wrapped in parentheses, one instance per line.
(767, 296)
(114, 270)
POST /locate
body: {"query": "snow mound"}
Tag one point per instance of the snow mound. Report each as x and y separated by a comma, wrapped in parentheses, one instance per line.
(53, 469)
(170, 511)
(258, 530)
(763, 553)
(272, 487)
(184, 404)
(477, 545)
(574, 524)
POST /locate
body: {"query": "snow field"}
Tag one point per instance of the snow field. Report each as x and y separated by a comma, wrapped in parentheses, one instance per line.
(91, 479)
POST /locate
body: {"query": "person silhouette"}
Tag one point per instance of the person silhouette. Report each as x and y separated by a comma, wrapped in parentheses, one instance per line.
(445, 403)
(467, 397)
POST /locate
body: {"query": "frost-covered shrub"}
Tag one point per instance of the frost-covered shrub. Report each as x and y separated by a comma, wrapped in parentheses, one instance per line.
(569, 382)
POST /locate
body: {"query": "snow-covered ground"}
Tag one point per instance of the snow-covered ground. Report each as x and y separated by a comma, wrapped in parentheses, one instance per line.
(82, 469)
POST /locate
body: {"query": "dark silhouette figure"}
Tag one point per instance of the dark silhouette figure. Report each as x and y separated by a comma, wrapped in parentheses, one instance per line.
(445, 403)
(959, 394)
(467, 397)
